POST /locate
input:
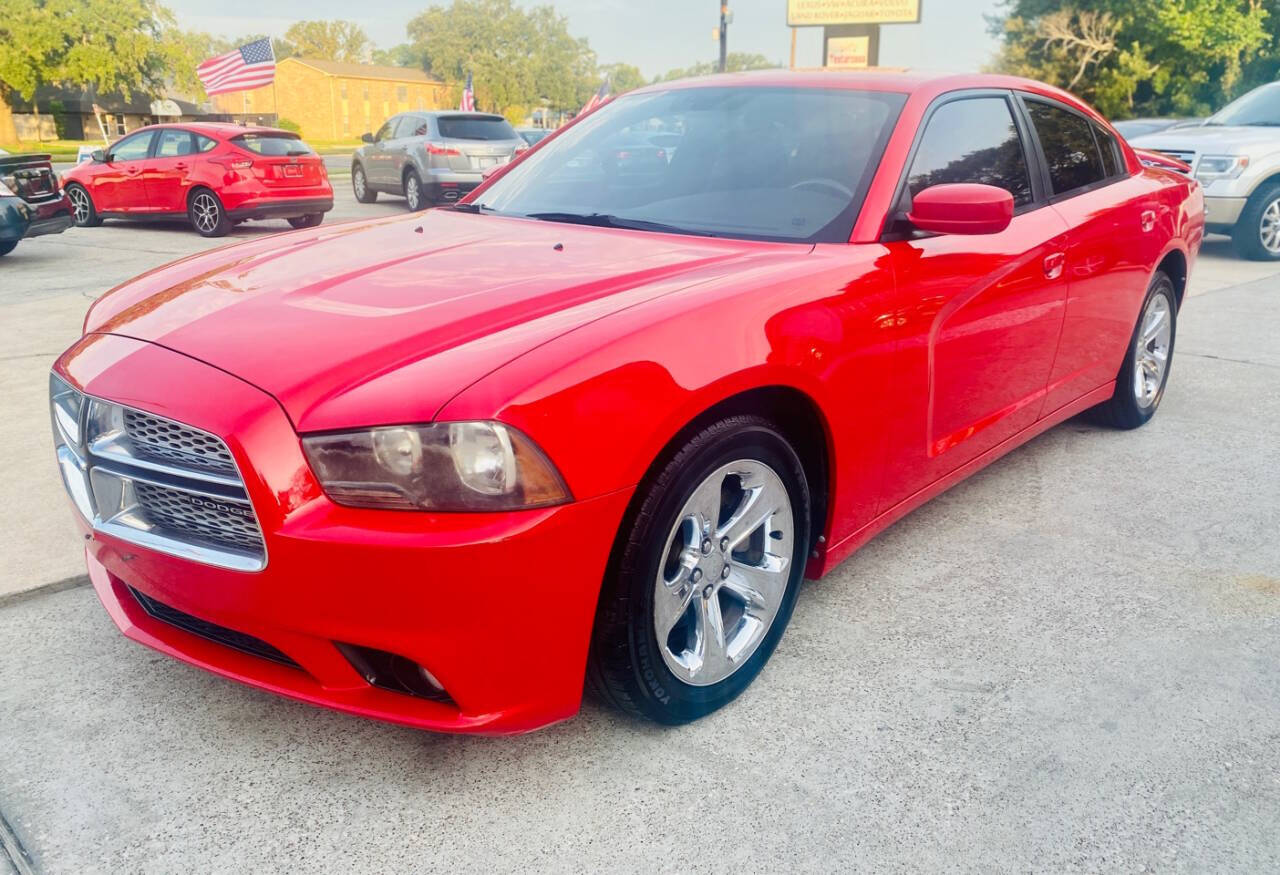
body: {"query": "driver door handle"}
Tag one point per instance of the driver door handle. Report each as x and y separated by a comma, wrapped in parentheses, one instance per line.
(1053, 265)
(1148, 220)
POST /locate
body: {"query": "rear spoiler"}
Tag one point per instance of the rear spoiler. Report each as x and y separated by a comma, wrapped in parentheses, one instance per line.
(1161, 160)
(10, 163)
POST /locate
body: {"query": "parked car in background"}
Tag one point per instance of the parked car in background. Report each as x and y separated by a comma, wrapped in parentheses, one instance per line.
(1137, 127)
(208, 174)
(431, 157)
(1236, 156)
(533, 136)
(32, 201)
(438, 470)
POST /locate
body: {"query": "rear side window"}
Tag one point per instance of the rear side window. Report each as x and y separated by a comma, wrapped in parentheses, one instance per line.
(972, 140)
(272, 144)
(1068, 145)
(174, 144)
(205, 144)
(464, 127)
(1110, 151)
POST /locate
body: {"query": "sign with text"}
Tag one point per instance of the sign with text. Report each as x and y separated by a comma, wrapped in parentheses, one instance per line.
(818, 13)
(848, 52)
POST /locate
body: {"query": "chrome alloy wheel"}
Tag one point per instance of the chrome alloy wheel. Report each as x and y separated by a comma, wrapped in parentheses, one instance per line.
(358, 182)
(413, 192)
(80, 204)
(724, 573)
(1152, 353)
(1269, 228)
(205, 211)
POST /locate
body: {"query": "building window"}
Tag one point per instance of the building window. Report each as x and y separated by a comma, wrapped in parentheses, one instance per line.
(366, 91)
(402, 94)
(342, 89)
(346, 126)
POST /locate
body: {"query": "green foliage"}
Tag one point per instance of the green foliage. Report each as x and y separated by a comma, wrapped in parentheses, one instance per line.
(735, 62)
(328, 40)
(402, 55)
(1143, 57)
(286, 124)
(116, 46)
(518, 57)
(622, 77)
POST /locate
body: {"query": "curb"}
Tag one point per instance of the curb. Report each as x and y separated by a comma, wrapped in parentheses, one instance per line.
(13, 598)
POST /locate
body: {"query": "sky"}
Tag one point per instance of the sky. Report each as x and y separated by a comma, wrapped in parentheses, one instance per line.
(655, 35)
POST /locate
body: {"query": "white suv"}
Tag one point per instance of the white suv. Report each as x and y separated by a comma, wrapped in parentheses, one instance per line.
(1235, 154)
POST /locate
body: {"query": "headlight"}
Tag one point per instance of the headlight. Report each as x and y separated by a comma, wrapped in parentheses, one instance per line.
(65, 403)
(1214, 167)
(444, 466)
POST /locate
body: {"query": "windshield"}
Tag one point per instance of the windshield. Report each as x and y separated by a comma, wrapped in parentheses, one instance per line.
(1261, 106)
(464, 127)
(753, 163)
(272, 144)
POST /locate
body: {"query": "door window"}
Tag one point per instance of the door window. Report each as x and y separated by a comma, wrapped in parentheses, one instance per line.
(972, 140)
(132, 148)
(408, 124)
(1068, 145)
(385, 132)
(174, 144)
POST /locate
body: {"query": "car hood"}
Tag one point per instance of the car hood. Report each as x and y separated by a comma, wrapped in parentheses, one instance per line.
(385, 321)
(1216, 139)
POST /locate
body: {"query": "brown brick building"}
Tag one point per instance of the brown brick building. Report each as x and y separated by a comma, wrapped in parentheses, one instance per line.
(333, 100)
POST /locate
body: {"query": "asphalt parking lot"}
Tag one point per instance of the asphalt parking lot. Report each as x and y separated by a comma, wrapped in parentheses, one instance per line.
(1071, 661)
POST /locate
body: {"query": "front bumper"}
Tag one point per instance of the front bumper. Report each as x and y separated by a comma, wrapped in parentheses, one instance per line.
(19, 219)
(497, 607)
(1223, 212)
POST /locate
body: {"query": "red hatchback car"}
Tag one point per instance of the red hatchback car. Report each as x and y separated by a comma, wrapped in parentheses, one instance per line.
(437, 469)
(211, 175)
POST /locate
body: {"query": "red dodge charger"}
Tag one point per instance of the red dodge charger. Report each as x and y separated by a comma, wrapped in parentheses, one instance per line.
(210, 175)
(597, 421)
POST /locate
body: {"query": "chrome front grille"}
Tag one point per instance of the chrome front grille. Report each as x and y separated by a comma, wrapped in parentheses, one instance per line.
(168, 442)
(155, 482)
(1186, 156)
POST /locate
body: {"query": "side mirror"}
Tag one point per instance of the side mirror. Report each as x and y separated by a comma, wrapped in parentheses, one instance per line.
(962, 208)
(367, 138)
(97, 157)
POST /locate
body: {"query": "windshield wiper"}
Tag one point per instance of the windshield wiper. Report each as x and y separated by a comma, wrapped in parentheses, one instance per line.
(606, 220)
(470, 208)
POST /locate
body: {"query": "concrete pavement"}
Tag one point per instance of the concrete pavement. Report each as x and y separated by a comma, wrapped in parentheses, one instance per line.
(1069, 662)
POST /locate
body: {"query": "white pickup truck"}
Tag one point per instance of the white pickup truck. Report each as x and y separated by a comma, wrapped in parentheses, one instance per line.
(1235, 154)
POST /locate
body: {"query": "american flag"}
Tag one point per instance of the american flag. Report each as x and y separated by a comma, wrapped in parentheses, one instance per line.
(468, 103)
(248, 67)
(601, 95)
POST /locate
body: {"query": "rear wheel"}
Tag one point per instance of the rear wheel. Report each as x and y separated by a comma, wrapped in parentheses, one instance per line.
(708, 572)
(7, 247)
(414, 196)
(82, 209)
(1257, 232)
(1142, 378)
(310, 220)
(360, 186)
(206, 214)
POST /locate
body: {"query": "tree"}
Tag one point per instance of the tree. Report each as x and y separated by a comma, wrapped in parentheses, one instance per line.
(519, 58)
(111, 45)
(622, 77)
(735, 62)
(1143, 57)
(329, 40)
(402, 55)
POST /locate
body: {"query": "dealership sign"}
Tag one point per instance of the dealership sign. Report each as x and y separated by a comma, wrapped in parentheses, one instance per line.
(818, 13)
(848, 52)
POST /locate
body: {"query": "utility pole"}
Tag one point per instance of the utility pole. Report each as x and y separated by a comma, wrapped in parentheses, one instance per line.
(725, 18)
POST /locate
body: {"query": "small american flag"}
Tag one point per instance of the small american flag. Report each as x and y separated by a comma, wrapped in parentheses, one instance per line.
(468, 103)
(601, 95)
(248, 67)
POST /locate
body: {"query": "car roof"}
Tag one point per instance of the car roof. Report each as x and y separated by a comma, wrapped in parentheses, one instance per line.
(902, 81)
(215, 129)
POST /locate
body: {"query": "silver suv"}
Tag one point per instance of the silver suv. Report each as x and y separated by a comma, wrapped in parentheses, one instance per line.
(431, 157)
(1235, 154)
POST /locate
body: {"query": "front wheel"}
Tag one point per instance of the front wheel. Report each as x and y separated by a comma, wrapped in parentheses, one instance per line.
(360, 186)
(706, 576)
(310, 220)
(1257, 232)
(1142, 378)
(82, 209)
(206, 214)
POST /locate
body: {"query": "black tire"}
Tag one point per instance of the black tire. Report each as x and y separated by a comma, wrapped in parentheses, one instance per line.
(1125, 409)
(310, 220)
(7, 246)
(414, 197)
(83, 211)
(206, 213)
(1247, 235)
(360, 185)
(625, 666)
